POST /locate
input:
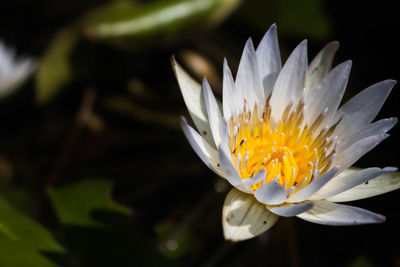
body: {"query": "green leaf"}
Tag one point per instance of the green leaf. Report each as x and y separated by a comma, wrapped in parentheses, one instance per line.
(113, 11)
(55, 67)
(303, 18)
(99, 232)
(361, 261)
(21, 197)
(293, 17)
(166, 16)
(23, 241)
(76, 204)
(122, 18)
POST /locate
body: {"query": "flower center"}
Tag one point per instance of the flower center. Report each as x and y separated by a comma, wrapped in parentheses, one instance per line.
(293, 154)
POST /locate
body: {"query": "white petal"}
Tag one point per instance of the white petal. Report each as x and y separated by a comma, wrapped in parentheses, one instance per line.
(228, 93)
(13, 71)
(271, 194)
(225, 137)
(269, 59)
(248, 82)
(290, 82)
(313, 187)
(325, 212)
(328, 93)
(362, 108)
(382, 184)
(378, 127)
(258, 177)
(289, 209)
(345, 181)
(320, 65)
(214, 115)
(350, 155)
(207, 153)
(230, 172)
(194, 100)
(243, 217)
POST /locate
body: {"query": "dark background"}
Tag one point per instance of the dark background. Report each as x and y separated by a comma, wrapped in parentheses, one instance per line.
(141, 148)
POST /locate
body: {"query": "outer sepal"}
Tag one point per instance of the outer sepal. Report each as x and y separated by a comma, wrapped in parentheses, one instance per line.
(243, 217)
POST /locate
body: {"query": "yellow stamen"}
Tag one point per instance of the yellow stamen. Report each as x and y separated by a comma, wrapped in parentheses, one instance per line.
(292, 154)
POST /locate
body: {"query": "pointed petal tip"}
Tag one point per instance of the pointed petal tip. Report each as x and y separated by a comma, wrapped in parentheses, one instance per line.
(390, 169)
(174, 65)
(249, 44)
(173, 60)
(344, 66)
(349, 62)
(272, 28)
(304, 42)
(300, 48)
(334, 45)
(183, 120)
(204, 82)
(391, 81)
(375, 218)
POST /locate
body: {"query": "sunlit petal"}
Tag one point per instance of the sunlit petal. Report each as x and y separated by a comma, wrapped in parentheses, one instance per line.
(243, 217)
(325, 212)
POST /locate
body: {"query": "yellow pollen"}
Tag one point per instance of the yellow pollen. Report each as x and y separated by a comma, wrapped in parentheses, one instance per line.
(293, 155)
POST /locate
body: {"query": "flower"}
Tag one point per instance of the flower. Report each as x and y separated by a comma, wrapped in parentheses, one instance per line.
(281, 139)
(13, 72)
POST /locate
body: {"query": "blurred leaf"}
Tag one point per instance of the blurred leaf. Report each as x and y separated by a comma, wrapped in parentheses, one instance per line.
(55, 68)
(75, 204)
(122, 18)
(21, 197)
(123, 105)
(22, 240)
(99, 232)
(361, 261)
(303, 18)
(115, 10)
(293, 17)
(166, 16)
(176, 245)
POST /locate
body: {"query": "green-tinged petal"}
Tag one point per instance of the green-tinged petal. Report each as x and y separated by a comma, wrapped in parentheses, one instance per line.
(321, 65)
(194, 100)
(243, 217)
(382, 184)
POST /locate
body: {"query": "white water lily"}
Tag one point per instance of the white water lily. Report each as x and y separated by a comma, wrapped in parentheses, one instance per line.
(281, 139)
(13, 71)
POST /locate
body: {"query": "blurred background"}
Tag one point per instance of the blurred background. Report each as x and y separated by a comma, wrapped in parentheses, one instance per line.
(94, 168)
